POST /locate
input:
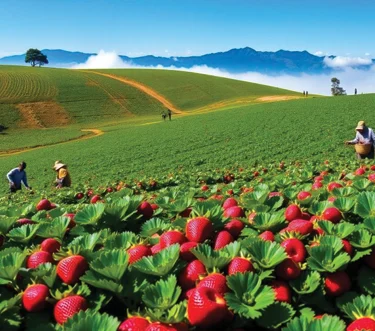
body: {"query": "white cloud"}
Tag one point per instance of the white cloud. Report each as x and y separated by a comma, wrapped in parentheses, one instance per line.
(319, 53)
(367, 54)
(351, 78)
(345, 61)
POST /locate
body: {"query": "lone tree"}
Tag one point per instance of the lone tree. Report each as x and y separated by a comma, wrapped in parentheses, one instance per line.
(336, 89)
(35, 57)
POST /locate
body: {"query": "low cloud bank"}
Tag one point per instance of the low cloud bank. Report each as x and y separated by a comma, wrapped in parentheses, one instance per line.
(350, 77)
(344, 62)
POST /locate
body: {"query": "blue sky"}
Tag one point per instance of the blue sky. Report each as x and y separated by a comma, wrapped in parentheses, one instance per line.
(184, 27)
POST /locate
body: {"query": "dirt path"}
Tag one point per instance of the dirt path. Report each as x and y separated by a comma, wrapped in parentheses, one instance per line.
(95, 133)
(149, 91)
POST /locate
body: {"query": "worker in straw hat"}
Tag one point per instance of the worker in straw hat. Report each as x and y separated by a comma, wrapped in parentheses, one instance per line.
(364, 136)
(62, 175)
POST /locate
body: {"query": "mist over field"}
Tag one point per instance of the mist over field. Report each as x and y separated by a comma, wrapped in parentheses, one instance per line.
(345, 68)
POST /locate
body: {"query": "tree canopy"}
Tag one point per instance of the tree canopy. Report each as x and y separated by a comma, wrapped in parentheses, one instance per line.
(336, 89)
(35, 57)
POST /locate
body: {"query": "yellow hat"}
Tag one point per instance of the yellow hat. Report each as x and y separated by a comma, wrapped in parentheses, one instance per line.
(58, 165)
(360, 125)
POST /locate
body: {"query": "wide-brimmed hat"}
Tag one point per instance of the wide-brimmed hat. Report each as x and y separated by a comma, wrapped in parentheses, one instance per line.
(58, 165)
(360, 125)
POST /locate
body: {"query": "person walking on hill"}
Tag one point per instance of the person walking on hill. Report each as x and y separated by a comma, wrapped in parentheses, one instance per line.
(355, 91)
(62, 175)
(170, 114)
(17, 176)
(164, 116)
(364, 136)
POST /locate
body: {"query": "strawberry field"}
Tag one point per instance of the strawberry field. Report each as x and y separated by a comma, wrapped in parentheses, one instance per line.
(287, 246)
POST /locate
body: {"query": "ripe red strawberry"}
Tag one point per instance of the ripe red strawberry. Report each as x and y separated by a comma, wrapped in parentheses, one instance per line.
(71, 268)
(295, 249)
(234, 212)
(215, 281)
(234, 227)
(332, 186)
(267, 236)
(318, 178)
(251, 217)
(137, 252)
(79, 196)
(72, 223)
(43, 204)
(50, 245)
(332, 214)
(371, 177)
(95, 199)
(274, 194)
(230, 202)
(306, 216)
(370, 259)
(317, 186)
(205, 188)
(230, 192)
(186, 213)
(360, 172)
(362, 324)
(239, 264)
(171, 237)
(156, 249)
(303, 195)
(300, 226)
(67, 307)
(331, 199)
(145, 209)
(199, 229)
(134, 324)
(372, 168)
(206, 308)
(222, 239)
(288, 269)
(282, 291)
(185, 253)
(157, 326)
(348, 248)
(38, 258)
(190, 274)
(34, 297)
(337, 283)
(292, 213)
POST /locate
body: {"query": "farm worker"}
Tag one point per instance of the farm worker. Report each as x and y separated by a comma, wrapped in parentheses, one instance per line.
(17, 176)
(62, 175)
(365, 136)
(164, 116)
(169, 114)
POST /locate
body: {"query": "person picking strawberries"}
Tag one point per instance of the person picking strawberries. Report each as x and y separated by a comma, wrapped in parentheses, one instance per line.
(16, 177)
(364, 136)
(62, 175)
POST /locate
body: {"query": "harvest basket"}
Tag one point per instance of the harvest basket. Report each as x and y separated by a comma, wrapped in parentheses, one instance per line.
(363, 148)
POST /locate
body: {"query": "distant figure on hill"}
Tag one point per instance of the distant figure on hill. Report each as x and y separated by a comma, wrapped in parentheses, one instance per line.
(304, 93)
(169, 114)
(364, 136)
(307, 93)
(355, 91)
(17, 176)
(164, 116)
(62, 175)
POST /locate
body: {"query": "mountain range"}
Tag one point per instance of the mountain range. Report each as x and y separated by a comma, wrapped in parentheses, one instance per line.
(233, 61)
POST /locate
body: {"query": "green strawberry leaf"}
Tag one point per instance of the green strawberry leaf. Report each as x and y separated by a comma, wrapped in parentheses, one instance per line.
(6, 223)
(266, 254)
(123, 240)
(161, 263)
(323, 258)
(54, 229)
(297, 324)
(269, 221)
(111, 264)
(90, 320)
(153, 226)
(344, 204)
(359, 254)
(175, 314)
(45, 273)
(327, 323)
(249, 297)
(361, 306)
(362, 239)
(369, 224)
(90, 214)
(99, 281)
(365, 206)
(276, 315)
(306, 283)
(10, 264)
(162, 295)
(10, 318)
(24, 233)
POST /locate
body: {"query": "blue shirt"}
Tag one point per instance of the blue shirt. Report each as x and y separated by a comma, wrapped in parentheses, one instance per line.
(366, 137)
(16, 176)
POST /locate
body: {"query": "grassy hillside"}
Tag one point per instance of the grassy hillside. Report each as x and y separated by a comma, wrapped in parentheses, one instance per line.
(79, 97)
(191, 91)
(308, 129)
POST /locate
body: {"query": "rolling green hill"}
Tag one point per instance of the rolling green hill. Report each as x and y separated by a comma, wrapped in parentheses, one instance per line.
(191, 91)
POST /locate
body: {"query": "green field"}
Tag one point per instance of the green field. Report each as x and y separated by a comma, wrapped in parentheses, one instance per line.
(312, 129)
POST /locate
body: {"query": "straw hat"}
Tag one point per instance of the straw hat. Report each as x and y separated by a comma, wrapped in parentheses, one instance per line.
(360, 125)
(58, 165)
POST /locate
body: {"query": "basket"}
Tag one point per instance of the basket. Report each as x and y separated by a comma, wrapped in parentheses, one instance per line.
(363, 149)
